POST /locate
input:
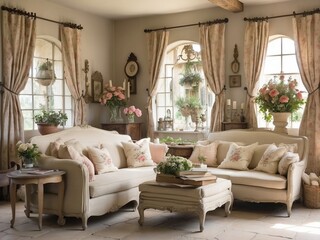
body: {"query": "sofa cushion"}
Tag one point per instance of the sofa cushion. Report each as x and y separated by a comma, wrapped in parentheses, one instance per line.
(257, 155)
(158, 151)
(251, 178)
(124, 179)
(287, 159)
(238, 157)
(209, 151)
(223, 148)
(290, 147)
(138, 153)
(270, 159)
(101, 159)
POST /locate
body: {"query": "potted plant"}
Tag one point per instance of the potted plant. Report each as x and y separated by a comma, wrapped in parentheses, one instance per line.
(191, 78)
(45, 74)
(49, 120)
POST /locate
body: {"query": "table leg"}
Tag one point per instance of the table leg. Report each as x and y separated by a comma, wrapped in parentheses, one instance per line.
(202, 218)
(13, 188)
(141, 214)
(27, 200)
(40, 203)
(61, 220)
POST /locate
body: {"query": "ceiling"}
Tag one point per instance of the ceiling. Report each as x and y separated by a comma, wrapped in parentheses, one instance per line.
(121, 9)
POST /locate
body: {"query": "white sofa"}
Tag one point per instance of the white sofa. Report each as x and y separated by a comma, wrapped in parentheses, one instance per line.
(107, 193)
(256, 186)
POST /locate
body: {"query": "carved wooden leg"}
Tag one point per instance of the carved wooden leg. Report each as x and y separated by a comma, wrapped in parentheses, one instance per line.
(27, 200)
(13, 188)
(141, 214)
(40, 203)
(202, 218)
(61, 220)
(289, 206)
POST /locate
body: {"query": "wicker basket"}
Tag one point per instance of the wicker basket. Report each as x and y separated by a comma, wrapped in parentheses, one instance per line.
(311, 196)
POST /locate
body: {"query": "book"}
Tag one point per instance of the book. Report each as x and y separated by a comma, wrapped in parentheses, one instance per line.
(36, 171)
(196, 182)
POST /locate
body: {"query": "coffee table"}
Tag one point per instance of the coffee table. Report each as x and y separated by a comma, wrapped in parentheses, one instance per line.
(199, 200)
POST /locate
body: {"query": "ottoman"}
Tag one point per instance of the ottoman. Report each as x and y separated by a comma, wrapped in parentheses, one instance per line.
(199, 200)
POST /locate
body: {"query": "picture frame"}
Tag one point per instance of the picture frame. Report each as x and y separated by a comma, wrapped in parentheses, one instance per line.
(234, 81)
(96, 86)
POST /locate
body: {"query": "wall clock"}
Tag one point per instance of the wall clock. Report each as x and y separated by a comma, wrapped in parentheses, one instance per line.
(131, 70)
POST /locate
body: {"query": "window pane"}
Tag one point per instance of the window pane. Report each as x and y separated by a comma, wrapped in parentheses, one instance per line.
(66, 89)
(288, 46)
(28, 87)
(57, 102)
(161, 101)
(39, 101)
(43, 49)
(168, 99)
(161, 112)
(274, 47)
(70, 119)
(25, 101)
(290, 64)
(68, 102)
(58, 70)
(28, 120)
(272, 65)
(57, 88)
(57, 53)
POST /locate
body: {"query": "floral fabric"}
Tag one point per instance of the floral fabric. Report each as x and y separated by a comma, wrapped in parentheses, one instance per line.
(208, 151)
(101, 159)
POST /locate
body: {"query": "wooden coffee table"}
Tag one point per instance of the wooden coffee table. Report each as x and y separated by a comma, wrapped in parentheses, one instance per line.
(198, 200)
(20, 177)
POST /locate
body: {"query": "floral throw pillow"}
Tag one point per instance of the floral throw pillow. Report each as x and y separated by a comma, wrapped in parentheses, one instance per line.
(238, 157)
(101, 159)
(287, 159)
(138, 153)
(208, 151)
(270, 159)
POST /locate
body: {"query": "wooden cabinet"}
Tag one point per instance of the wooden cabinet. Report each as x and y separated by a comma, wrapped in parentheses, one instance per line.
(180, 150)
(131, 129)
(234, 125)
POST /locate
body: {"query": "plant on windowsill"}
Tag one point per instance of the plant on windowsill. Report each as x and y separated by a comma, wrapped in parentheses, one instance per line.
(45, 75)
(49, 120)
(190, 77)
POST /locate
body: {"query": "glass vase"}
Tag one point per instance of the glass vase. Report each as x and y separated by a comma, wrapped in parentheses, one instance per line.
(27, 163)
(130, 118)
(115, 114)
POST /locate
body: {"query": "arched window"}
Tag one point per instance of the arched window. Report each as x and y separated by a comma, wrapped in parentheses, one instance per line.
(37, 94)
(281, 58)
(183, 101)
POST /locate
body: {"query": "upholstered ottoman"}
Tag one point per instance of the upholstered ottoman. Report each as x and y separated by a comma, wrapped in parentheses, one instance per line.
(198, 200)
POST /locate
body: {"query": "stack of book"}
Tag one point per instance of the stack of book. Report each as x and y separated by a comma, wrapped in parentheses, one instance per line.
(194, 178)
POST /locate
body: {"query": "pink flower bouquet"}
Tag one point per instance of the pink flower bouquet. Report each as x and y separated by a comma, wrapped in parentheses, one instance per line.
(131, 111)
(113, 96)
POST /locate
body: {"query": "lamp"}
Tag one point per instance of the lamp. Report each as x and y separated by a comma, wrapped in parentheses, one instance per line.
(85, 94)
(45, 75)
(188, 53)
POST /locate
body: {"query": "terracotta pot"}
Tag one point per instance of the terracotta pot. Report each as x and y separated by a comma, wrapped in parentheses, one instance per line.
(280, 121)
(45, 128)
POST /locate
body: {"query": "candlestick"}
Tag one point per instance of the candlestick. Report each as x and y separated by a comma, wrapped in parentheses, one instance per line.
(128, 89)
(234, 105)
(110, 83)
(228, 102)
(124, 84)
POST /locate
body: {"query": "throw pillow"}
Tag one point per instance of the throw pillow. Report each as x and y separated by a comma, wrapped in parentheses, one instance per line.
(207, 151)
(257, 155)
(290, 147)
(53, 148)
(138, 153)
(69, 152)
(223, 149)
(287, 159)
(238, 157)
(101, 159)
(270, 159)
(158, 151)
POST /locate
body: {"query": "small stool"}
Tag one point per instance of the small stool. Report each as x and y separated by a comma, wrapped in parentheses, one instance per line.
(200, 200)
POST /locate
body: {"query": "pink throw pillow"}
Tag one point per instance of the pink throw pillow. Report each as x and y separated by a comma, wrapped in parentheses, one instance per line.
(158, 151)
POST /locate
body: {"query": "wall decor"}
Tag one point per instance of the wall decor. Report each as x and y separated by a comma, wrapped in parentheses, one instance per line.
(131, 70)
(97, 82)
(234, 81)
(235, 65)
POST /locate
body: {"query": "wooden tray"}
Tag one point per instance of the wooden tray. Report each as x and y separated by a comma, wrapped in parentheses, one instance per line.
(177, 180)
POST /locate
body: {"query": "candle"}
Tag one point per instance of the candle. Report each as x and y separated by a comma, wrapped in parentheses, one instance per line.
(242, 105)
(234, 105)
(124, 84)
(229, 102)
(110, 83)
(128, 89)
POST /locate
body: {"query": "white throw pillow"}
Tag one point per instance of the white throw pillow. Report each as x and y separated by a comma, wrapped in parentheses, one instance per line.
(293, 147)
(238, 157)
(270, 159)
(101, 159)
(287, 159)
(138, 153)
(207, 151)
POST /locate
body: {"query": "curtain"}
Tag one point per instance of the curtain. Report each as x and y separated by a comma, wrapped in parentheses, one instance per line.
(212, 42)
(255, 48)
(18, 43)
(157, 42)
(71, 55)
(307, 39)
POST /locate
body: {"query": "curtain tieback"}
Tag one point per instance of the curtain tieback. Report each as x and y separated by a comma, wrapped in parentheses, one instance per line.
(223, 89)
(314, 90)
(246, 89)
(2, 86)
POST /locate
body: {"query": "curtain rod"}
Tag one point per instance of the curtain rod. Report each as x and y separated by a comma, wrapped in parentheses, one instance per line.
(305, 13)
(34, 15)
(225, 20)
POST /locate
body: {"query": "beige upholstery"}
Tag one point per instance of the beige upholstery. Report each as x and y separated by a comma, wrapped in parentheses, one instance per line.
(256, 186)
(108, 192)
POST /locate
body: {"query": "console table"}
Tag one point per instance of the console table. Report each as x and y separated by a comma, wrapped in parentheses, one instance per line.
(131, 129)
(180, 150)
(234, 125)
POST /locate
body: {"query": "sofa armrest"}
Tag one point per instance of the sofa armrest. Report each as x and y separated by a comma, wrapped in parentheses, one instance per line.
(76, 197)
(294, 177)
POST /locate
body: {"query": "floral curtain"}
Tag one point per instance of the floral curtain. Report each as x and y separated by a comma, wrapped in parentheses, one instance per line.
(157, 42)
(307, 39)
(212, 42)
(255, 49)
(71, 54)
(18, 43)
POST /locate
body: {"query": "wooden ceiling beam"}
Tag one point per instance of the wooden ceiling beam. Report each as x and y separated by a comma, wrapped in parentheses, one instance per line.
(230, 5)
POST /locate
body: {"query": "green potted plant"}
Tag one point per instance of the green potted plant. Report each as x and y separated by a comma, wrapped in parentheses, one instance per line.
(49, 120)
(190, 77)
(45, 74)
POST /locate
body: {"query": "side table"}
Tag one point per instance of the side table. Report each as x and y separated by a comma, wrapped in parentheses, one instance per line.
(28, 178)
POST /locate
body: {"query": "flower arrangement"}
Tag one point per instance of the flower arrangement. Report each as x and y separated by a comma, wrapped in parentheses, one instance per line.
(173, 165)
(113, 96)
(27, 152)
(279, 96)
(131, 111)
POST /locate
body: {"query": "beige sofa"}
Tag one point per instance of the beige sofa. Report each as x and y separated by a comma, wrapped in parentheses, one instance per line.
(256, 186)
(107, 193)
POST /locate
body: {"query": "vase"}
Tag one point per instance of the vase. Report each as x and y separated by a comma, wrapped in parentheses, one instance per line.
(280, 121)
(115, 114)
(130, 118)
(27, 163)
